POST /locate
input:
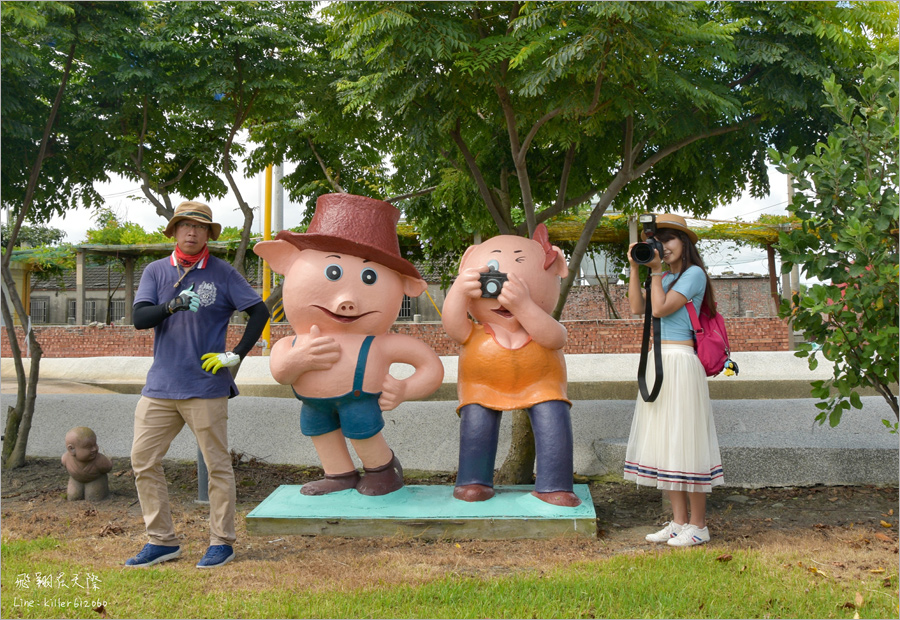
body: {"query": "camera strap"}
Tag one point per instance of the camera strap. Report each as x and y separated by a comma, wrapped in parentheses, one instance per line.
(657, 351)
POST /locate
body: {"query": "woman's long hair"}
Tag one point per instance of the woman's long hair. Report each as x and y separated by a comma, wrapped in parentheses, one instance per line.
(690, 256)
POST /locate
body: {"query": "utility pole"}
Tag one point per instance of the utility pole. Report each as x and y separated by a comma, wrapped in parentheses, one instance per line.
(278, 198)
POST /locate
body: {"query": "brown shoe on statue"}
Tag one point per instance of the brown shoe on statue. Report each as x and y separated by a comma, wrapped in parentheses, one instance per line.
(332, 483)
(382, 480)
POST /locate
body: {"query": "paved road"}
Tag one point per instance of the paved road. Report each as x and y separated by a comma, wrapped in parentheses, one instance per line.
(764, 442)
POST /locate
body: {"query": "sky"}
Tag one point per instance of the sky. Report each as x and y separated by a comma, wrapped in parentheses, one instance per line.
(125, 198)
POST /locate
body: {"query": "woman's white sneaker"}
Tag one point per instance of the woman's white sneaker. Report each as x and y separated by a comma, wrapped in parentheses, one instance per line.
(689, 536)
(671, 530)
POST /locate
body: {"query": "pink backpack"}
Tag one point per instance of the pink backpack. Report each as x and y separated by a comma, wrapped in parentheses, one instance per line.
(711, 342)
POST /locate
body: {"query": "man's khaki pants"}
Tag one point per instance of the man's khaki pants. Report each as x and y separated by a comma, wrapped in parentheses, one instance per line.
(156, 423)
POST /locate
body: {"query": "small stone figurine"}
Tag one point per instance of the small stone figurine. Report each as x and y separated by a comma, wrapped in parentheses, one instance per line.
(86, 466)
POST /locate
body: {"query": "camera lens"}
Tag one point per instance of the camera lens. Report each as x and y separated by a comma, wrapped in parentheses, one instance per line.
(642, 253)
(492, 287)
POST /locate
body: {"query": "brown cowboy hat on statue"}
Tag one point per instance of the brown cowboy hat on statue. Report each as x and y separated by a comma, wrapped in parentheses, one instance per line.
(355, 225)
(675, 222)
(197, 212)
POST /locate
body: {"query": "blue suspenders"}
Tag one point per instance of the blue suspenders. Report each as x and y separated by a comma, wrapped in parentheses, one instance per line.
(360, 372)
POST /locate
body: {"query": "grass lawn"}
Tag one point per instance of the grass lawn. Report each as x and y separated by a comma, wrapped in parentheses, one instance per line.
(657, 583)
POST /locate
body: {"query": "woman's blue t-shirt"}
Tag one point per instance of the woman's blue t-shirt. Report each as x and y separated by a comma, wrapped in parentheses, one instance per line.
(691, 284)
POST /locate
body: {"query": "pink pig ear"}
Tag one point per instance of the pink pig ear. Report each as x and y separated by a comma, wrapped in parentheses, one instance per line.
(413, 287)
(543, 237)
(279, 254)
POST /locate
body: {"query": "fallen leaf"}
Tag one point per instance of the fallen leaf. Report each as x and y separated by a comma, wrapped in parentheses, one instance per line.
(891, 512)
(856, 616)
(883, 537)
(726, 557)
(111, 530)
(101, 610)
(876, 571)
(859, 600)
(885, 524)
(848, 605)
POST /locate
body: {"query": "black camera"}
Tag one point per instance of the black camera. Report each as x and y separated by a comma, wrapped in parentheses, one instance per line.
(492, 282)
(642, 252)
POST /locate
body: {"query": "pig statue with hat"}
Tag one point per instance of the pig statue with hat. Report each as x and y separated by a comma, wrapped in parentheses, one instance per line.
(511, 358)
(344, 282)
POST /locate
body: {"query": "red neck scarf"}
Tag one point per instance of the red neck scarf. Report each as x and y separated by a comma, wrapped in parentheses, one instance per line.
(188, 261)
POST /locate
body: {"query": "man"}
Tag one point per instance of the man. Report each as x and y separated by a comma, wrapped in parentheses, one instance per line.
(188, 298)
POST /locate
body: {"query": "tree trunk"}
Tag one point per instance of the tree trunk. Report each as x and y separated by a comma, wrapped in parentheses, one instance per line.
(518, 468)
(14, 414)
(274, 297)
(16, 457)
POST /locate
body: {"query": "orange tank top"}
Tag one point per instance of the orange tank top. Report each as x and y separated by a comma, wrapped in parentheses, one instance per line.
(505, 379)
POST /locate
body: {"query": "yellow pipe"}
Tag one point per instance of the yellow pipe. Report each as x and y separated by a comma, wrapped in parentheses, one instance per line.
(432, 302)
(267, 271)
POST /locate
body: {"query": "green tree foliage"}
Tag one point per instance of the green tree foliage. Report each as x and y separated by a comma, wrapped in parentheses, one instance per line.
(112, 230)
(848, 205)
(151, 133)
(523, 111)
(34, 236)
(46, 157)
(334, 149)
(247, 60)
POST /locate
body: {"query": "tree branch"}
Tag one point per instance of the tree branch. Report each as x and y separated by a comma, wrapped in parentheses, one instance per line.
(475, 171)
(564, 176)
(628, 154)
(665, 152)
(526, 144)
(38, 163)
(180, 174)
(741, 81)
(324, 168)
(421, 192)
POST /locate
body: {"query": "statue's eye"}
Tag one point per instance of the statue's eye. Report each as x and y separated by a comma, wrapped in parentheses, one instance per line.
(333, 272)
(369, 276)
(492, 264)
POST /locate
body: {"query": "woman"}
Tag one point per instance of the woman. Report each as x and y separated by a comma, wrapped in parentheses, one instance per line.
(673, 444)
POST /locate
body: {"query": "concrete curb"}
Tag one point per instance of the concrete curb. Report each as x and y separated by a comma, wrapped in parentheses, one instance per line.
(763, 375)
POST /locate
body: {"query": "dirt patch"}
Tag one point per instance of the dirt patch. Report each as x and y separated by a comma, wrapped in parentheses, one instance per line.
(845, 531)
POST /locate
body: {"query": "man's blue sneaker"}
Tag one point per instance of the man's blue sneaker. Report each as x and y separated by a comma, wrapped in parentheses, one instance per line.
(153, 554)
(216, 555)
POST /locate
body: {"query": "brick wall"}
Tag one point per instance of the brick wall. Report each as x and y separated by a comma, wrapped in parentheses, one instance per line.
(736, 296)
(585, 336)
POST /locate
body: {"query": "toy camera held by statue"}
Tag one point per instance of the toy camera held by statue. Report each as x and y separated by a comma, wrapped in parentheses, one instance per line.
(492, 282)
(642, 252)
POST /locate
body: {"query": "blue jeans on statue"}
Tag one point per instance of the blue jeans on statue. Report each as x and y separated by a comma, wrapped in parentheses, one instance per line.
(479, 432)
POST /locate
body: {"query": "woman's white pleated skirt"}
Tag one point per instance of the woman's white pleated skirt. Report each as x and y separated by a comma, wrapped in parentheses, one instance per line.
(673, 445)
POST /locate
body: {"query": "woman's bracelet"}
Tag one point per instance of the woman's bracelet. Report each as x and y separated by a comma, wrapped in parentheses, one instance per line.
(658, 273)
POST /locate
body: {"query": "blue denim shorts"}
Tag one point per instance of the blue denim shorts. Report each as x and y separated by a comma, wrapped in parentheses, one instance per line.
(357, 414)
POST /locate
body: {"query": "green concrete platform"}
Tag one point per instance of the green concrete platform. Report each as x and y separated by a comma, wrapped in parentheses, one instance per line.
(422, 511)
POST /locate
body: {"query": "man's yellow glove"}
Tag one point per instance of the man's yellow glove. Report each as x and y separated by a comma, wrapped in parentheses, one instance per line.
(214, 361)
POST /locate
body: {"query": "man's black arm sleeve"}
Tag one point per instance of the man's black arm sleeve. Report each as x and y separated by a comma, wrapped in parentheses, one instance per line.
(146, 315)
(259, 314)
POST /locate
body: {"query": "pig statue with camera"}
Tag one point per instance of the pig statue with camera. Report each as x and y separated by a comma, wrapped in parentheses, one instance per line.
(498, 310)
(344, 282)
